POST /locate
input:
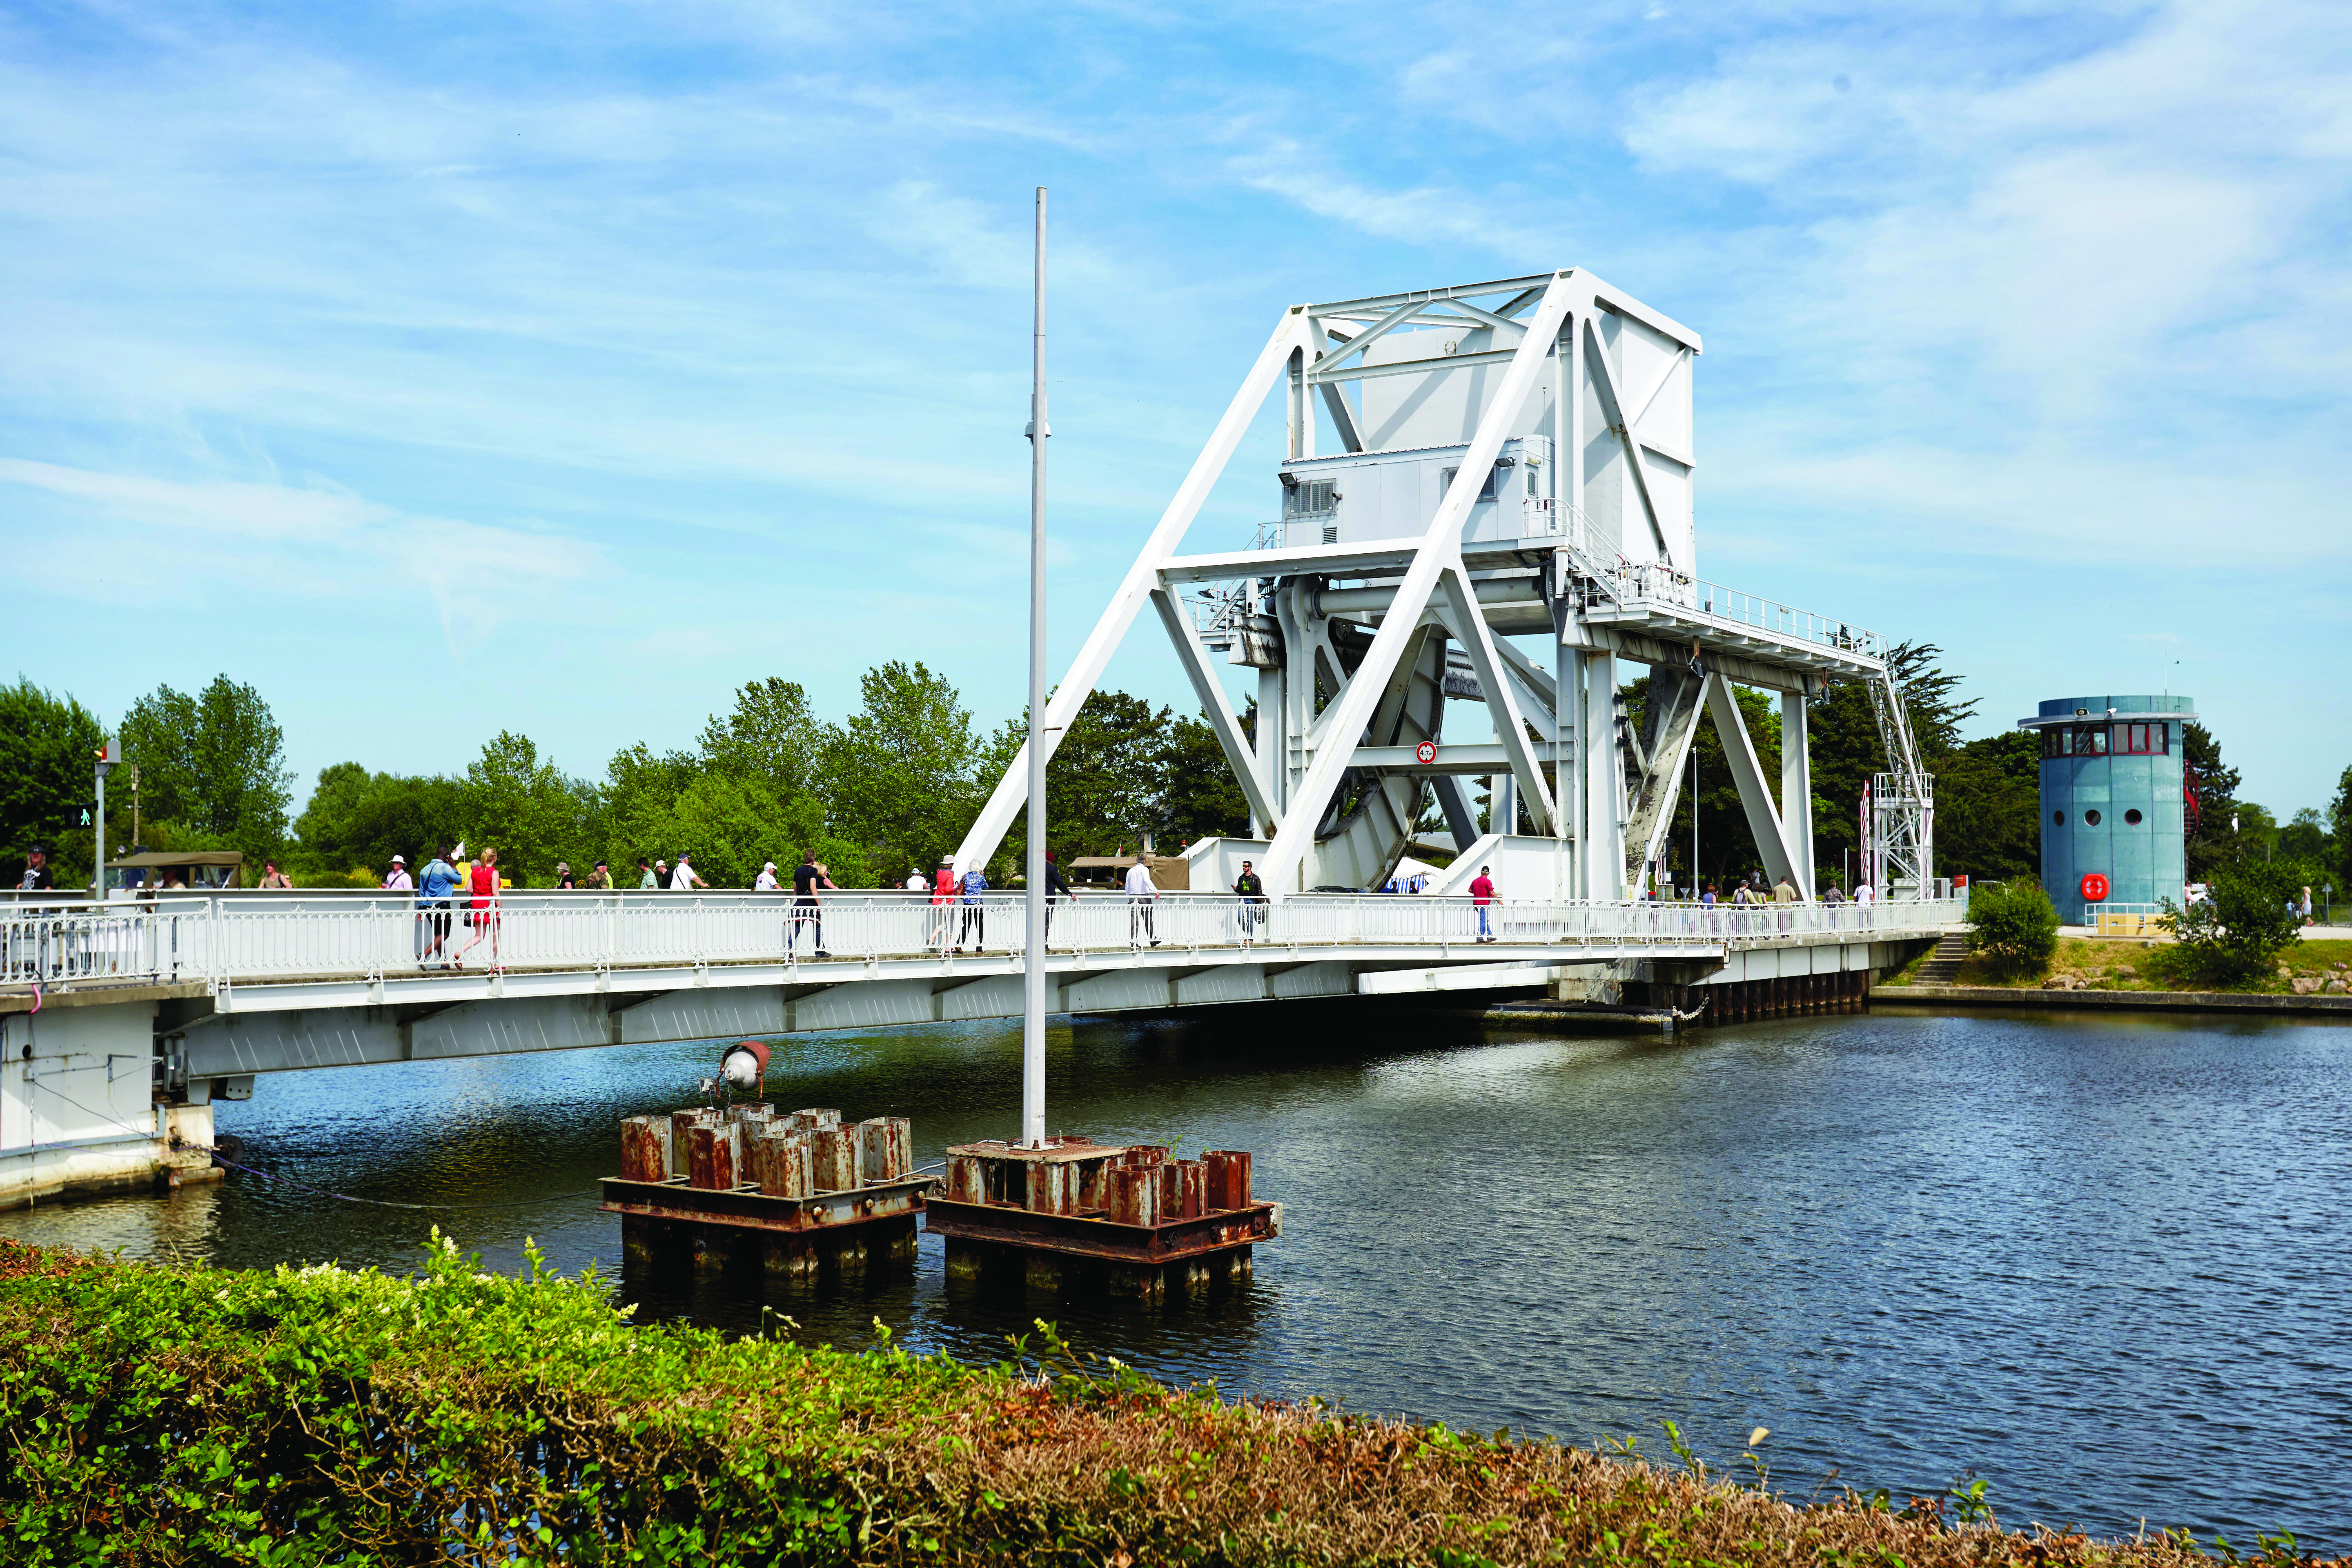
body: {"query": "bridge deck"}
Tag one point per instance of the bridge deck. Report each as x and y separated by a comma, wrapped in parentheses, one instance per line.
(257, 952)
(243, 984)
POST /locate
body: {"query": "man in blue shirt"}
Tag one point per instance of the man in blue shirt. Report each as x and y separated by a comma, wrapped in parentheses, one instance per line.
(434, 886)
(975, 912)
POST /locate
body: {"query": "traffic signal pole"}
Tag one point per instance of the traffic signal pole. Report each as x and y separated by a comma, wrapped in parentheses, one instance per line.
(105, 759)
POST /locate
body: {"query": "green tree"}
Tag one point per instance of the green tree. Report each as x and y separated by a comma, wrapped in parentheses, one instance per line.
(50, 743)
(2258, 831)
(356, 821)
(1844, 751)
(732, 825)
(2237, 932)
(640, 797)
(2305, 837)
(1727, 848)
(1843, 747)
(2013, 924)
(2215, 843)
(902, 772)
(1200, 797)
(215, 761)
(1106, 782)
(1988, 808)
(523, 807)
(322, 850)
(772, 734)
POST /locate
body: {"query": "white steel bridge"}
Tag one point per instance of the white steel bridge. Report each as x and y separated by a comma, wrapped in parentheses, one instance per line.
(1467, 469)
(215, 990)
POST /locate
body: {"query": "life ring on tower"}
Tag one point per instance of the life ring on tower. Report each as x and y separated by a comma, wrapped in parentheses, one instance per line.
(2095, 888)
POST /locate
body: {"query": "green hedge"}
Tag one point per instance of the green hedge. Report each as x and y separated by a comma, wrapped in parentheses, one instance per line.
(183, 1414)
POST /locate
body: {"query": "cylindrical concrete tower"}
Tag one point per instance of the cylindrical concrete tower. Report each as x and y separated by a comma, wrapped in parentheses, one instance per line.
(2111, 801)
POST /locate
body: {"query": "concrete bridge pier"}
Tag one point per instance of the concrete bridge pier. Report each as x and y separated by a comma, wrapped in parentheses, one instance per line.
(1747, 984)
(80, 1111)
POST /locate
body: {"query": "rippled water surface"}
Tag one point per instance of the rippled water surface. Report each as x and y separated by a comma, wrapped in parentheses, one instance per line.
(2100, 1262)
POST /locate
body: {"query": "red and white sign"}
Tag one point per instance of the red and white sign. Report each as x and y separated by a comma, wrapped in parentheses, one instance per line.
(1426, 753)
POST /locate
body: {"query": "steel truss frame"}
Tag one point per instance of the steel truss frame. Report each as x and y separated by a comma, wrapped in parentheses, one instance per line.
(1332, 726)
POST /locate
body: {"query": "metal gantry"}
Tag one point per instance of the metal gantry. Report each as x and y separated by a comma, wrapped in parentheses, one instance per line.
(1467, 468)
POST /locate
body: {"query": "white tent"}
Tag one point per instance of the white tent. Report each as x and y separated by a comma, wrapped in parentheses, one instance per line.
(1402, 879)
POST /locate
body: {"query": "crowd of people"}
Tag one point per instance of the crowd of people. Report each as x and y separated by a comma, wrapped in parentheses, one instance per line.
(1752, 890)
(458, 895)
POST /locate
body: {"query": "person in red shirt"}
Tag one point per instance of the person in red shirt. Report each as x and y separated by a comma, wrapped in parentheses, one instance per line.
(483, 912)
(1481, 893)
(943, 893)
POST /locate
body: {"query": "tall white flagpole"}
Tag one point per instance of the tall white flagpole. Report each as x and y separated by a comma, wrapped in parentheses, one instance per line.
(1033, 963)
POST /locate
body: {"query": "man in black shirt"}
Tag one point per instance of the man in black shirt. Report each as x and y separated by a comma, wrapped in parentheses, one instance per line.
(1057, 887)
(1251, 890)
(807, 878)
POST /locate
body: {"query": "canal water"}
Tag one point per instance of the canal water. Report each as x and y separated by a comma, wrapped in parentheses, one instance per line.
(2099, 1262)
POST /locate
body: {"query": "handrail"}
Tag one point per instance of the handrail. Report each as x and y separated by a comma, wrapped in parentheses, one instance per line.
(253, 938)
(1658, 584)
(1611, 576)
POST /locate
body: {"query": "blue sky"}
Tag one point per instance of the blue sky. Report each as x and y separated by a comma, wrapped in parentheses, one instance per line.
(560, 366)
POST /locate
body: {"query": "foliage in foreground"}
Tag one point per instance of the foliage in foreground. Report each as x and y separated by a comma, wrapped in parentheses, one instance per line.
(183, 1414)
(2237, 932)
(2013, 925)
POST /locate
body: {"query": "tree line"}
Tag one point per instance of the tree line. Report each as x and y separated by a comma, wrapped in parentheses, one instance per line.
(893, 786)
(890, 788)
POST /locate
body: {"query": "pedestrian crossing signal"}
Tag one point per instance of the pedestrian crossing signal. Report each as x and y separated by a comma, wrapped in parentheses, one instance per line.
(88, 813)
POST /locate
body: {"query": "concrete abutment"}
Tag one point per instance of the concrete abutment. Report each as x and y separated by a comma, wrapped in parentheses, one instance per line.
(81, 1112)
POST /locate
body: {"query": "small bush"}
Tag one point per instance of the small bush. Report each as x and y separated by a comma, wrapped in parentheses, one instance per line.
(2013, 926)
(2239, 931)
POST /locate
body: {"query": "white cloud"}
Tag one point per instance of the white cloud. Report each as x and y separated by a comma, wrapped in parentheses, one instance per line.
(1423, 215)
(270, 513)
(193, 539)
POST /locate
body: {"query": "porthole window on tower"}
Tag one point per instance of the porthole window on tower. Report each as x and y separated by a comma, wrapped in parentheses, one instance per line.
(2091, 819)
(2132, 816)
(2059, 817)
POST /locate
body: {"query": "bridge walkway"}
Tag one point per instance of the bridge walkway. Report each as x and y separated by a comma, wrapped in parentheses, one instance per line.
(247, 983)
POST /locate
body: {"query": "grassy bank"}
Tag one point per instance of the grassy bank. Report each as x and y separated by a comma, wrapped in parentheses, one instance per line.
(2132, 963)
(188, 1415)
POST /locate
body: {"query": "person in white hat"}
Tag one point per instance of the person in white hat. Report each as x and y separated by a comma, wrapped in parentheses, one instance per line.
(398, 882)
(766, 882)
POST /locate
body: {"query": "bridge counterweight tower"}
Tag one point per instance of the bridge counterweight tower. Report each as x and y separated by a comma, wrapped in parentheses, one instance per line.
(1514, 460)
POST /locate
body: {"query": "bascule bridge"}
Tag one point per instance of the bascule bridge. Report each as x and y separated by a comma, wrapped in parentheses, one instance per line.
(1485, 503)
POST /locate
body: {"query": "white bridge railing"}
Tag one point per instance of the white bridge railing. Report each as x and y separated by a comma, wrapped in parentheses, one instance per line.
(242, 939)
